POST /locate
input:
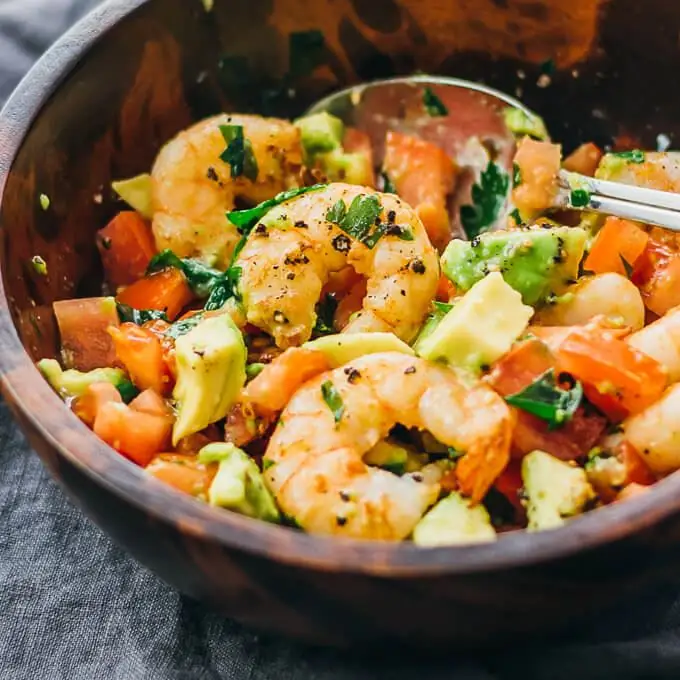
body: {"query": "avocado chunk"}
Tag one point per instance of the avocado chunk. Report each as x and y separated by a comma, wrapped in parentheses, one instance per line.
(392, 456)
(521, 123)
(137, 193)
(536, 262)
(453, 521)
(320, 133)
(340, 166)
(211, 370)
(72, 383)
(238, 484)
(480, 328)
(342, 348)
(555, 490)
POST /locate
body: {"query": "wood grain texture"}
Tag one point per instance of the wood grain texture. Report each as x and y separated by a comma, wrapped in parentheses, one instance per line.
(99, 106)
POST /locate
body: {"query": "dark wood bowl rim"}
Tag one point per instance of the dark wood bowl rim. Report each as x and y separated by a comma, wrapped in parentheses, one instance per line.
(22, 384)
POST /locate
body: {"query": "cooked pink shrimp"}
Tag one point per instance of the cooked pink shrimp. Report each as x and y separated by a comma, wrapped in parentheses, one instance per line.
(314, 462)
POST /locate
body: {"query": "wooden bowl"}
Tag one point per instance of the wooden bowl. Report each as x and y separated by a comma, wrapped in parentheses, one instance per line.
(100, 103)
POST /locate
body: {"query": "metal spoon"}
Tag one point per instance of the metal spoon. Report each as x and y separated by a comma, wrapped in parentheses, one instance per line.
(386, 104)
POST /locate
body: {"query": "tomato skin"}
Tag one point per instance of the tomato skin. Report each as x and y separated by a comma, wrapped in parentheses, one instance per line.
(616, 377)
(126, 246)
(510, 484)
(637, 470)
(166, 291)
(88, 404)
(183, 472)
(142, 354)
(618, 240)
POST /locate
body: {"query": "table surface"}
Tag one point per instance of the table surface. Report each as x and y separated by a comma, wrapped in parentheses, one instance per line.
(73, 605)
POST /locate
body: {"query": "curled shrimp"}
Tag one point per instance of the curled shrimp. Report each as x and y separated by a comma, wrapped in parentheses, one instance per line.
(193, 187)
(314, 462)
(294, 249)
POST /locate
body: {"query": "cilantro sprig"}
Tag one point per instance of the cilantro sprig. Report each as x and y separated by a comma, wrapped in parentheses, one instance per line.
(139, 316)
(239, 152)
(488, 198)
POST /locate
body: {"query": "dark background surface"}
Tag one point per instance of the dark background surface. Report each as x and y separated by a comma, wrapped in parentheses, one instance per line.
(74, 606)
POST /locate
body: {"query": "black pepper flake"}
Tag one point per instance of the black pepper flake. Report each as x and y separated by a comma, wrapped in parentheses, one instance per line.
(403, 292)
(212, 175)
(261, 230)
(391, 216)
(290, 276)
(352, 374)
(341, 243)
(341, 521)
(394, 230)
(280, 317)
(417, 477)
(345, 496)
(296, 259)
(418, 266)
(301, 224)
(475, 241)
(410, 370)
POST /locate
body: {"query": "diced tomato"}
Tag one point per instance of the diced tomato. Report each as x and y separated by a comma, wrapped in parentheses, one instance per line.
(151, 402)
(539, 165)
(424, 176)
(523, 364)
(88, 404)
(141, 352)
(274, 386)
(126, 246)
(616, 376)
(657, 275)
(357, 141)
(445, 289)
(184, 473)
(350, 304)
(83, 324)
(138, 436)
(585, 159)
(637, 470)
(618, 241)
(509, 483)
(166, 291)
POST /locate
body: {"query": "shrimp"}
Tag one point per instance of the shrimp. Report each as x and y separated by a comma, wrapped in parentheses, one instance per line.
(293, 250)
(661, 341)
(193, 188)
(314, 461)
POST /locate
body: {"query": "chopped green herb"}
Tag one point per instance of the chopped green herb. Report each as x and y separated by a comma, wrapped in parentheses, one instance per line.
(39, 265)
(488, 197)
(516, 175)
(337, 212)
(239, 152)
(253, 370)
(267, 463)
(433, 104)
(388, 184)
(45, 201)
(183, 326)
(545, 399)
(579, 198)
(360, 218)
(442, 307)
(333, 400)
(634, 156)
(139, 316)
(325, 311)
(516, 216)
(245, 220)
(627, 266)
(454, 454)
(127, 391)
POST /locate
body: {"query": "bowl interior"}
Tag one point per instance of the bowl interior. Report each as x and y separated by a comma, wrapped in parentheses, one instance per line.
(166, 63)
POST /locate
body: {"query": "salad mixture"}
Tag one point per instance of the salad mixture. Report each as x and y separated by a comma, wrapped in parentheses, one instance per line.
(383, 331)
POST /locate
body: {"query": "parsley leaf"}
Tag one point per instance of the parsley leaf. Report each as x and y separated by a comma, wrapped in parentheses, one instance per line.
(239, 152)
(333, 400)
(325, 311)
(516, 216)
(388, 185)
(634, 156)
(127, 391)
(245, 220)
(488, 197)
(579, 198)
(360, 218)
(139, 316)
(627, 266)
(516, 175)
(545, 399)
(183, 326)
(433, 104)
